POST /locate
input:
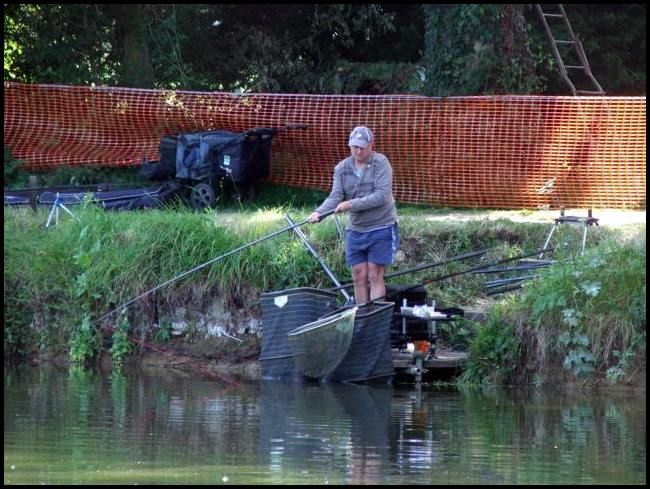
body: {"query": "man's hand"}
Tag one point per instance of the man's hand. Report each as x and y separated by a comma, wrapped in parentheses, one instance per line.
(314, 217)
(343, 206)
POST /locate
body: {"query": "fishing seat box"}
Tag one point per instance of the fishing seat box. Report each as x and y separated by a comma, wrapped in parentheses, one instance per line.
(415, 328)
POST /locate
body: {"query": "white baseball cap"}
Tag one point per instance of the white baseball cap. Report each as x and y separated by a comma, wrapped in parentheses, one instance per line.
(360, 136)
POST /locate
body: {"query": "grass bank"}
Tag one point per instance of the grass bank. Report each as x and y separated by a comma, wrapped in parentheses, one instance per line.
(584, 317)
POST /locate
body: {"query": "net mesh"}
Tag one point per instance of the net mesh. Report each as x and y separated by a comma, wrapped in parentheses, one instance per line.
(484, 151)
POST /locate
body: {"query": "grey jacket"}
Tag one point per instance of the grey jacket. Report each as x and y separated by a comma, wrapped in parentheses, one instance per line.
(370, 195)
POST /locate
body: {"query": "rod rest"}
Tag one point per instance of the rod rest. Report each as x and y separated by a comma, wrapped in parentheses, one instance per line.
(587, 221)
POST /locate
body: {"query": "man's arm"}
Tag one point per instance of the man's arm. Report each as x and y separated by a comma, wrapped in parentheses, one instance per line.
(383, 189)
(337, 195)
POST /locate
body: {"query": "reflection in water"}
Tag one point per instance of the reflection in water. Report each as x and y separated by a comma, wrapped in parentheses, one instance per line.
(336, 426)
(160, 427)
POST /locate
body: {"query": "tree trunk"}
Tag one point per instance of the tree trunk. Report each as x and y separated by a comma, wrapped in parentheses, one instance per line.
(131, 22)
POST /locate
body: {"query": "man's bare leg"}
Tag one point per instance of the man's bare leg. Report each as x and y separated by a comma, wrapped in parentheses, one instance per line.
(360, 280)
(377, 282)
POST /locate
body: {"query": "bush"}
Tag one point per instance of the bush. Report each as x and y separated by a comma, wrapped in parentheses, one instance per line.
(585, 316)
(15, 174)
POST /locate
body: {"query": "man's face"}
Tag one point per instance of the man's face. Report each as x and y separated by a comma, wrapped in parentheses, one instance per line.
(361, 155)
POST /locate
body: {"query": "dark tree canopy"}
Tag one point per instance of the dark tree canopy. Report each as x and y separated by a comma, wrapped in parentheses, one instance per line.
(433, 49)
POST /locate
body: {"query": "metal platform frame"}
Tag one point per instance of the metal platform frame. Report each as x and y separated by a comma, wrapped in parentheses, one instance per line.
(590, 220)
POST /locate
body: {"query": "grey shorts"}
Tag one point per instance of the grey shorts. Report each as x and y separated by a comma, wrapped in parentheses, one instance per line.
(377, 246)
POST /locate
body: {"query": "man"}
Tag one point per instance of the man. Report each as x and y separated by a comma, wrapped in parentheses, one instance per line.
(363, 185)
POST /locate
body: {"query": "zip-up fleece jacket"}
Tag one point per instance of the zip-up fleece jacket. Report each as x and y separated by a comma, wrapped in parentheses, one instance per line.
(370, 194)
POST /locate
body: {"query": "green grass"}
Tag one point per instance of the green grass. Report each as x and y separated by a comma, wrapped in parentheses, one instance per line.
(585, 317)
(56, 277)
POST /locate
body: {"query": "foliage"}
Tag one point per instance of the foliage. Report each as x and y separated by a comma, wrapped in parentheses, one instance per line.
(600, 300)
(616, 54)
(169, 42)
(473, 49)
(268, 195)
(164, 332)
(18, 333)
(35, 268)
(316, 48)
(578, 358)
(625, 359)
(57, 280)
(130, 43)
(374, 78)
(457, 334)
(187, 46)
(84, 344)
(86, 255)
(121, 344)
(15, 175)
(90, 175)
(483, 49)
(295, 51)
(494, 353)
(585, 314)
(56, 43)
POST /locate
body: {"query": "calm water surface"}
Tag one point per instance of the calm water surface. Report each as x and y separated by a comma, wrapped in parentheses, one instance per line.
(163, 427)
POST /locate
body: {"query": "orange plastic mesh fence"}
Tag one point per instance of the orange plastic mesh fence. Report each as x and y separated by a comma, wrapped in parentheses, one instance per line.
(487, 151)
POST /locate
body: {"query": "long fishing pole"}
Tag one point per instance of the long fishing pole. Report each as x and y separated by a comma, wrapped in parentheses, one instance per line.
(449, 275)
(203, 265)
(322, 263)
(421, 267)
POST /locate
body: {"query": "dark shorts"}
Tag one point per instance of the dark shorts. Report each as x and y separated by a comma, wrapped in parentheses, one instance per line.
(376, 247)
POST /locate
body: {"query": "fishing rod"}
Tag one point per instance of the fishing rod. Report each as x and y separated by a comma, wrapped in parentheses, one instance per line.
(530, 266)
(322, 263)
(422, 267)
(214, 260)
(449, 275)
(431, 265)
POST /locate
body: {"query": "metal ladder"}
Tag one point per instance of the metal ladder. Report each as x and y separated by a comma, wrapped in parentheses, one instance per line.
(579, 64)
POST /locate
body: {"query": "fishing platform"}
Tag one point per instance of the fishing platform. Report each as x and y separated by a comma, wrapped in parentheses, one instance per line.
(307, 336)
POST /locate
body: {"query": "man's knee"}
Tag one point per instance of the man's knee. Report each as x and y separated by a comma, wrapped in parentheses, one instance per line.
(360, 273)
(375, 273)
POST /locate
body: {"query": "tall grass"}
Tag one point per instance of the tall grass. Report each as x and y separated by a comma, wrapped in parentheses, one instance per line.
(584, 317)
(55, 277)
(60, 280)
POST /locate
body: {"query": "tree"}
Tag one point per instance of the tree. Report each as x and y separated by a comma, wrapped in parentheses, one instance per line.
(317, 48)
(288, 48)
(614, 38)
(131, 43)
(473, 49)
(54, 43)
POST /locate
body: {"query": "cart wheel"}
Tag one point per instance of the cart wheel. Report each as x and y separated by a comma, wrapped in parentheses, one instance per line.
(202, 196)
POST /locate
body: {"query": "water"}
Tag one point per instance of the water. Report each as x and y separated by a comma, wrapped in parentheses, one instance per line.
(164, 427)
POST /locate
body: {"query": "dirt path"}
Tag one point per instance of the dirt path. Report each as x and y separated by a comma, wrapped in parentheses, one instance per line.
(606, 217)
